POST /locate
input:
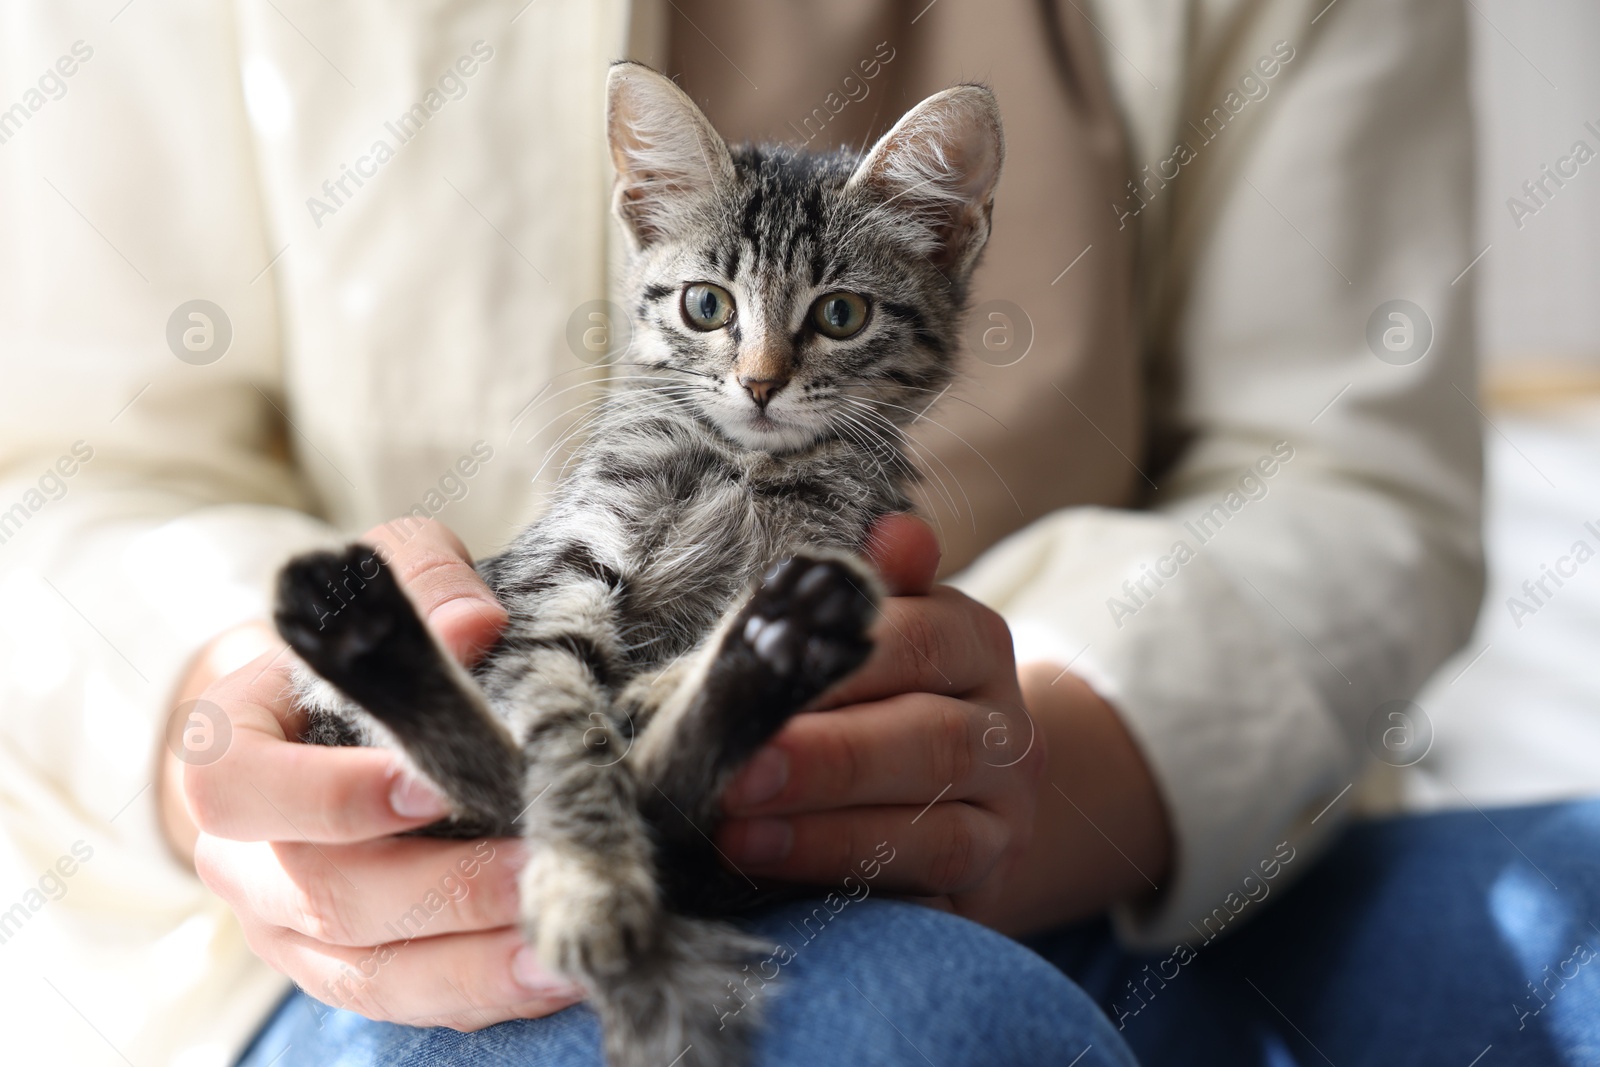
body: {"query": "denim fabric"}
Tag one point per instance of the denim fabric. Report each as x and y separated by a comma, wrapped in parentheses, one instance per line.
(1465, 939)
(880, 983)
(1425, 940)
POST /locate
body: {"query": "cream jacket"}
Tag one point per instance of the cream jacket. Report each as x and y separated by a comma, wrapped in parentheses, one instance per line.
(1314, 554)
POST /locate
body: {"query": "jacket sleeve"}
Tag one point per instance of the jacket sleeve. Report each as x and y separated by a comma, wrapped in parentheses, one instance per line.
(145, 497)
(1315, 550)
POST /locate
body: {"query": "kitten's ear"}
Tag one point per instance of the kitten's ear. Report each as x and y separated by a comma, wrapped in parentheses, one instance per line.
(937, 169)
(668, 158)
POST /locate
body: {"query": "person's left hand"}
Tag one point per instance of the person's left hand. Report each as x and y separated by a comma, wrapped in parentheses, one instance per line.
(927, 747)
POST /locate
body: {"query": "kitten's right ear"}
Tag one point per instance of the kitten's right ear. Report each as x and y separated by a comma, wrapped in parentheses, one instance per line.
(667, 155)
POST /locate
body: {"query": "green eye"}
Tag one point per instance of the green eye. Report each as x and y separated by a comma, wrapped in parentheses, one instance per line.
(840, 315)
(707, 306)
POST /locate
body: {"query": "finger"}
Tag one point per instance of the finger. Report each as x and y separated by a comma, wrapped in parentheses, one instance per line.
(463, 981)
(906, 552)
(904, 750)
(944, 642)
(937, 849)
(266, 788)
(436, 571)
(367, 894)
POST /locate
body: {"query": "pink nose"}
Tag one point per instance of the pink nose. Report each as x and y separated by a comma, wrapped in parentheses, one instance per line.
(761, 390)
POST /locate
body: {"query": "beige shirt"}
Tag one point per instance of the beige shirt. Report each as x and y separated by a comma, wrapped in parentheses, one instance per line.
(381, 333)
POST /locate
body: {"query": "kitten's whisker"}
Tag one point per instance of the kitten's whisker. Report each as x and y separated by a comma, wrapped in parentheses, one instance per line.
(619, 402)
(603, 392)
(605, 404)
(674, 370)
(955, 398)
(855, 428)
(943, 498)
(919, 450)
(958, 437)
(613, 402)
(605, 378)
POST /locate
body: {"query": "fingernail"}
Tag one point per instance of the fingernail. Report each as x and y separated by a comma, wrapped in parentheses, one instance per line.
(532, 976)
(763, 841)
(761, 779)
(412, 798)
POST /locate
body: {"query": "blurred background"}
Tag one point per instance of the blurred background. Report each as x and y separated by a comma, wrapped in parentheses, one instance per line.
(1528, 680)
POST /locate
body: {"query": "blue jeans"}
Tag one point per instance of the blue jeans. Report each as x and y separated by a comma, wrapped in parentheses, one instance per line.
(882, 983)
(1417, 941)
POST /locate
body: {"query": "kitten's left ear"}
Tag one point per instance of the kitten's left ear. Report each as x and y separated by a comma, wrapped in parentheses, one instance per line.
(667, 155)
(937, 169)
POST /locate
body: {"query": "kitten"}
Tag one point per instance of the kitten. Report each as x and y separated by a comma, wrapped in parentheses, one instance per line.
(694, 582)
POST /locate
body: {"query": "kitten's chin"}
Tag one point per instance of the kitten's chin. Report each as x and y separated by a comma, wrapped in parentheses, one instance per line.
(764, 433)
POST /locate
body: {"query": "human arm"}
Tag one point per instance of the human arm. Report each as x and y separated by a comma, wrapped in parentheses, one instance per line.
(1344, 570)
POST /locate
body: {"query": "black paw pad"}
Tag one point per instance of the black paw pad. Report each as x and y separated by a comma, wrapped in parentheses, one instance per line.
(336, 607)
(809, 617)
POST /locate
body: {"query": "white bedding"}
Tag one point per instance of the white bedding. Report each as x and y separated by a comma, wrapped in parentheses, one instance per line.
(1516, 715)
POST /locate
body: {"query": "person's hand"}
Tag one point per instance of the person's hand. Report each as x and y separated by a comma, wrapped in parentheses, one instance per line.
(927, 747)
(299, 839)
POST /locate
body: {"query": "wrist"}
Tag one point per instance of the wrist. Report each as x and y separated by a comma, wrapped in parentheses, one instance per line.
(1101, 832)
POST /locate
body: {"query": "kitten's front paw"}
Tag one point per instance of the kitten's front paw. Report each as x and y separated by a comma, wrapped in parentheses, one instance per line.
(807, 622)
(585, 918)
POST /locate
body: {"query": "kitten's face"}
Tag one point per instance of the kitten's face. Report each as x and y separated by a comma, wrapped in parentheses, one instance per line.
(792, 297)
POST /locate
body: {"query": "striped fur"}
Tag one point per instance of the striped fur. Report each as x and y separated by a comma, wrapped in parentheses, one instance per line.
(694, 581)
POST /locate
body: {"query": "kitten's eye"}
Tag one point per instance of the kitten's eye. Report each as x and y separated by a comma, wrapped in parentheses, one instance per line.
(840, 315)
(707, 306)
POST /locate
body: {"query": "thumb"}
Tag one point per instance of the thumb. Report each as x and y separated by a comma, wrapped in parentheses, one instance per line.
(906, 552)
(435, 569)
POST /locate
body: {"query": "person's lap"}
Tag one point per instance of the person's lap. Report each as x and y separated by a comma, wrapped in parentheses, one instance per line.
(1414, 941)
(879, 982)
(1422, 940)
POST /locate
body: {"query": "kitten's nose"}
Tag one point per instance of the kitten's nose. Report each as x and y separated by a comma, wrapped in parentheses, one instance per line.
(761, 390)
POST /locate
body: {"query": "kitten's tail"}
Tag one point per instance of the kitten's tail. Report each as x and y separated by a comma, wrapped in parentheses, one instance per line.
(691, 1000)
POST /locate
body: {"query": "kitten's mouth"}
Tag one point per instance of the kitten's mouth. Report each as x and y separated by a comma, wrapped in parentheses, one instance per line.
(764, 431)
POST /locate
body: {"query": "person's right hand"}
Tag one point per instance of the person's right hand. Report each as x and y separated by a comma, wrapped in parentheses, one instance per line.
(299, 839)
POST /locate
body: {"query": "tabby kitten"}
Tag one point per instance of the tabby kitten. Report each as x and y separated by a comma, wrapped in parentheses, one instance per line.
(694, 582)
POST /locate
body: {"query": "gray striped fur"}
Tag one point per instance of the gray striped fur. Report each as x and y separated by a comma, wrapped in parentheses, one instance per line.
(637, 611)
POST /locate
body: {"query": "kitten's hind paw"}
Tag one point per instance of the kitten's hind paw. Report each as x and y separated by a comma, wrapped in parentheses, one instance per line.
(807, 621)
(803, 628)
(335, 608)
(346, 616)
